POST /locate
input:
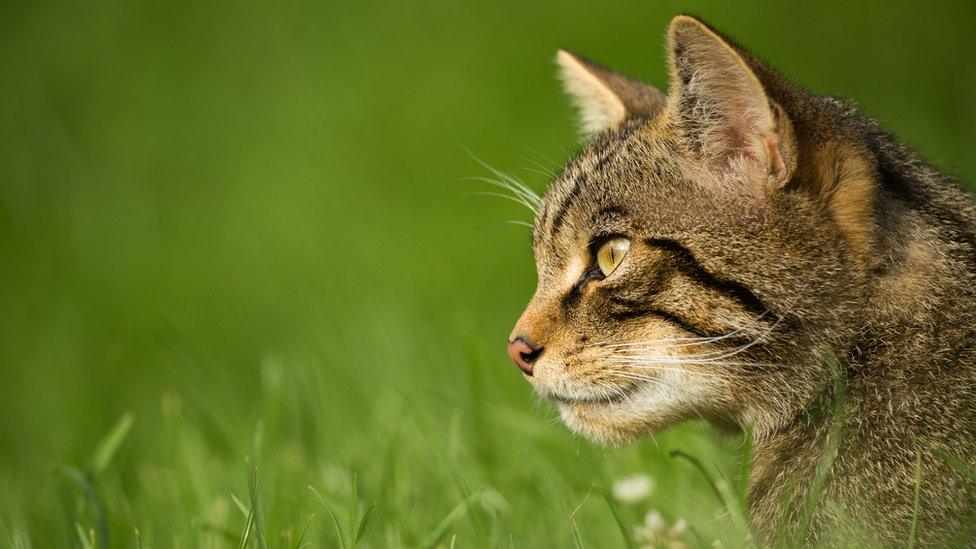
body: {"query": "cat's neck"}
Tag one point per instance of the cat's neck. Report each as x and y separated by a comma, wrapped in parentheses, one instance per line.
(906, 360)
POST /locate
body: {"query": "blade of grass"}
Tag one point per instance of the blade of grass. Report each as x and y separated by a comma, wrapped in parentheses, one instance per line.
(363, 522)
(248, 525)
(427, 429)
(248, 520)
(812, 500)
(855, 533)
(387, 503)
(226, 534)
(240, 505)
(98, 462)
(955, 462)
(109, 445)
(301, 537)
(725, 496)
(964, 469)
(737, 509)
(6, 532)
(332, 515)
(353, 510)
(455, 515)
(577, 538)
(918, 490)
(701, 540)
(701, 469)
(745, 467)
(252, 488)
(84, 482)
(86, 543)
(624, 531)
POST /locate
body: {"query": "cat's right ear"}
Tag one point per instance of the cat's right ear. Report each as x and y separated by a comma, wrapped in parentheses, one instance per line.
(603, 97)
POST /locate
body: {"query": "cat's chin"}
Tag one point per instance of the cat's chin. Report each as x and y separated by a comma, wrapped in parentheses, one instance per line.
(622, 421)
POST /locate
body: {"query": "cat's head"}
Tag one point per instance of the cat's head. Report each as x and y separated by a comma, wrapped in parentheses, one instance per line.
(700, 252)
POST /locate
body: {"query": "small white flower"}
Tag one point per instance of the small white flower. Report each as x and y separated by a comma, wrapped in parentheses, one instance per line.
(655, 532)
(633, 488)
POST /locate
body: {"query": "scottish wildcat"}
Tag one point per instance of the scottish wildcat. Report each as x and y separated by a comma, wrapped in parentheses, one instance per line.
(709, 251)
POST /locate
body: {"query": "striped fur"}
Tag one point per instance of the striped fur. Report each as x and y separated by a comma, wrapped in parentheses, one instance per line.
(771, 229)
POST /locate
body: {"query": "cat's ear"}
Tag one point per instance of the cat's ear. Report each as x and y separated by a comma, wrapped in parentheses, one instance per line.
(722, 108)
(603, 97)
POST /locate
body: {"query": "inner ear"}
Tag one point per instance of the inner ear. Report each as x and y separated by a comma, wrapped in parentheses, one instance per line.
(604, 98)
(722, 108)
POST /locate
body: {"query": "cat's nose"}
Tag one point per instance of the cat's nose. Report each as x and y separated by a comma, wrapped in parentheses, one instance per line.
(524, 354)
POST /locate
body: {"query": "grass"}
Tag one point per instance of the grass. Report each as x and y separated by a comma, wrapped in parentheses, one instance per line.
(246, 300)
(406, 495)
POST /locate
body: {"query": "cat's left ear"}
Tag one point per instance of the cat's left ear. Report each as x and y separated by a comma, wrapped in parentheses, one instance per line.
(603, 97)
(724, 112)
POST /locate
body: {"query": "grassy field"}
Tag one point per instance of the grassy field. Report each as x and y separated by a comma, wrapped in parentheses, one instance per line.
(247, 297)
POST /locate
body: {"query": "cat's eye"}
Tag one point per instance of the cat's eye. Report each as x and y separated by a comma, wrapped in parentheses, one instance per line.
(611, 253)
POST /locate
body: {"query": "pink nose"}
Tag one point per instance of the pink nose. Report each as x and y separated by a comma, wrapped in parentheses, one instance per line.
(523, 354)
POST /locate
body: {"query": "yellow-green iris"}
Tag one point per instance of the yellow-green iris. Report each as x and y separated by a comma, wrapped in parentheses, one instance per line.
(611, 253)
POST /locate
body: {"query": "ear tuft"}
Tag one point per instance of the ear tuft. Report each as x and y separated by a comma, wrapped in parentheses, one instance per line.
(603, 97)
(598, 106)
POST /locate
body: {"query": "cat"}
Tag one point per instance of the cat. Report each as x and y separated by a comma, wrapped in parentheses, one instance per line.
(743, 251)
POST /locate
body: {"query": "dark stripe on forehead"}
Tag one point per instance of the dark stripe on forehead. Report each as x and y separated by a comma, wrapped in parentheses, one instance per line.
(691, 268)
(560, 216)
(540, 222)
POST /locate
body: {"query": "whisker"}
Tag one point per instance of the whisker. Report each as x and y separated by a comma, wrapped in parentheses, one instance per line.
(529, 201)
(540, 171)
(635, 377)
(663, 365)
(694, 340)
(496, 195)
(656, 342)
(555, 164)
(721, 354)
(715, 375)
(612, 391)
(506, 181)
(539, 167)
(638, 377)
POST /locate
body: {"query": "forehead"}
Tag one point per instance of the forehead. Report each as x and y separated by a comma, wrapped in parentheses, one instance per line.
(634, 181)
(627, 177)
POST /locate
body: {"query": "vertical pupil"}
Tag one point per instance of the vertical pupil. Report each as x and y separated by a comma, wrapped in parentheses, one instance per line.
(611, 253)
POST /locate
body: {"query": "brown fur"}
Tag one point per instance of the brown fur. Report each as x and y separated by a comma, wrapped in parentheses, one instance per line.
(799, 229)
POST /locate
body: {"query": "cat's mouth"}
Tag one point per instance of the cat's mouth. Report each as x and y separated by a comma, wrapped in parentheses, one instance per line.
(617, 396)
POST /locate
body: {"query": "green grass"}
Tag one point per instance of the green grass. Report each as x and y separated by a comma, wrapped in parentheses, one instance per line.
(245, 295)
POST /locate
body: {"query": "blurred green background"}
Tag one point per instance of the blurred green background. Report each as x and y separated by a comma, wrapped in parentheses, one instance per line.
(247, 225)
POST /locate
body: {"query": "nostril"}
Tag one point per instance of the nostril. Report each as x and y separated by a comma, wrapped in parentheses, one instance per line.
(523, 354)
(532, 355)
